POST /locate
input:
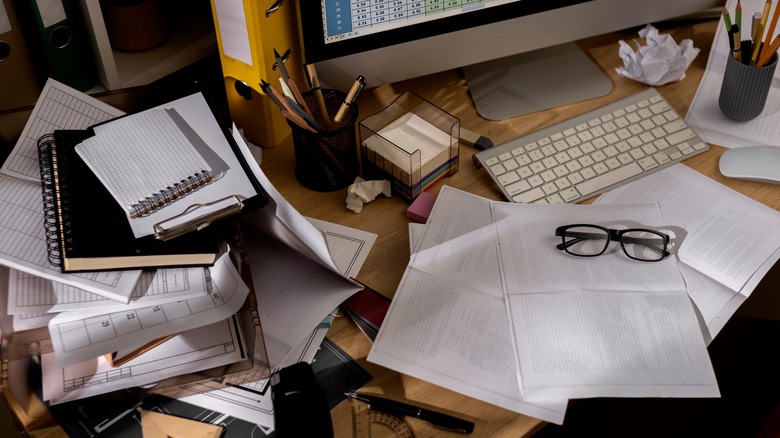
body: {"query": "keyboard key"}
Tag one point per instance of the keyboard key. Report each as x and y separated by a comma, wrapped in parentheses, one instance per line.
(518, 187)
(498, 169)
(602, 181)
(685, 134)
(529, 196)
(508, 178)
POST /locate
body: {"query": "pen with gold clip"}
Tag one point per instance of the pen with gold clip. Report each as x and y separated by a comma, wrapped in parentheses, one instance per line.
(357, 87)
(442, 421)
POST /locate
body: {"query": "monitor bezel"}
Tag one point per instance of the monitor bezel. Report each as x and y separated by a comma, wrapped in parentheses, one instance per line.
(316, 50)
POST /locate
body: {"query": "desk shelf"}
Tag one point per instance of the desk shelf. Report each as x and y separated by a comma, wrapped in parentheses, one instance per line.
(192, 39)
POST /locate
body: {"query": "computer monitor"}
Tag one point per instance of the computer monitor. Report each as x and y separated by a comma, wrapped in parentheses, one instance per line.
(518, 55)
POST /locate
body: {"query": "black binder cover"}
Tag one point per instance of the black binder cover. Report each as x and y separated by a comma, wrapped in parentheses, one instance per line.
(88, 231)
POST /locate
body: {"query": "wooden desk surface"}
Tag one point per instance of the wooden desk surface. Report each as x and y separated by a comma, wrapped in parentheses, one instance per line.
(386, 216)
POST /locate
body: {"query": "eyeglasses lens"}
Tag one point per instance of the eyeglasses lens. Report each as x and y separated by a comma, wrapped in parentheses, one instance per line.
(585, 241)
(644, 245)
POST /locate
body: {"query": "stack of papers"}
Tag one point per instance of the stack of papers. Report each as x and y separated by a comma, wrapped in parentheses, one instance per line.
(165, 323)
(490, 308)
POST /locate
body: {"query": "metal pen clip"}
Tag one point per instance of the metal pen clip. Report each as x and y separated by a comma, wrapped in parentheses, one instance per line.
(186, 221)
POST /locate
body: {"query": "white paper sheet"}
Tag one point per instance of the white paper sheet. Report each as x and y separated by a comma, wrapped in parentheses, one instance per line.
(606, 326)
(22, 238)
(28, 293)
(58, 107)
(729, 241)
(252, 401)
(205, 347)
(297, 280)
(80, 336)
(447, 324)
(23, 243)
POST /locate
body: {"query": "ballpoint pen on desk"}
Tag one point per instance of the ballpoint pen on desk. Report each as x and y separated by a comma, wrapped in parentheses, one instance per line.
(357, 87)
(437, 419)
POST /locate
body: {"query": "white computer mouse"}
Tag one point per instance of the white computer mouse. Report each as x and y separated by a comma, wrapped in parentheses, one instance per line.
(756, 163)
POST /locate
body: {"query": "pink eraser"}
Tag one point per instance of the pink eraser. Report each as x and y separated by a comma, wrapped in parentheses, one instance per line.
(421, 207)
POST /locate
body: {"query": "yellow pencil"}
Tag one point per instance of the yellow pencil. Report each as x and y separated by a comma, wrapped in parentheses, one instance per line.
(770, 32)
(766, 55)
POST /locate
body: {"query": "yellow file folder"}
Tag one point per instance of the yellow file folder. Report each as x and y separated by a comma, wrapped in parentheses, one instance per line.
(248, 31)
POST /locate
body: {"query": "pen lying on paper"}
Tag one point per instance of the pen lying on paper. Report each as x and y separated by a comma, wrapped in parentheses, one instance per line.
(393, 407)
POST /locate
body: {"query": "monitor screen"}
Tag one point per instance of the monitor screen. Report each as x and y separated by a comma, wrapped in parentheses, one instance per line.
(342, 27)
(391, 40)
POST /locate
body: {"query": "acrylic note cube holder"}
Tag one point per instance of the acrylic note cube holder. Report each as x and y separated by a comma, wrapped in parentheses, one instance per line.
(412, 143)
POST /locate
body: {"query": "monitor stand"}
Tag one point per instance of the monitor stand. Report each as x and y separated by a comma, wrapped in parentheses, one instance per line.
(534, 81)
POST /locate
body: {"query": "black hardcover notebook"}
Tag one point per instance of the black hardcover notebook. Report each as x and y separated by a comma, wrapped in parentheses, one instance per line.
(89, 228)
(87, 231)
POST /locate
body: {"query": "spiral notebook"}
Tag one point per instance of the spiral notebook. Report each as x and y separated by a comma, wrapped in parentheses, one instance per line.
(171, 164)
(150, 160)
(90, 227)
(87, 231)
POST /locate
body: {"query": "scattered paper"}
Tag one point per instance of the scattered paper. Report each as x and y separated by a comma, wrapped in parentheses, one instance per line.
(659, 62)
(200, 348)
(362, 192)
(83, 335)
(731, 240)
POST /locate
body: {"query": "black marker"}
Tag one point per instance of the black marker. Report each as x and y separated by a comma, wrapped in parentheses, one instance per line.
(393, 407)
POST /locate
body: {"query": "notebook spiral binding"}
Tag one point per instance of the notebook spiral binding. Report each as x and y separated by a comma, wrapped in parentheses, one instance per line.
(52, 186)
(154, 202)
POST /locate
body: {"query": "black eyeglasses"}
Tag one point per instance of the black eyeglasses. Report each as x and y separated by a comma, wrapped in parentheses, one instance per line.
(585, 240)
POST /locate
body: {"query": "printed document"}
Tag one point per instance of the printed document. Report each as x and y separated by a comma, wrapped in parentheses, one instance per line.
(200, 348)
(28, 293)
(605, 326)
(486, 279)
(728, 242)
(447, 323)
(79, 336)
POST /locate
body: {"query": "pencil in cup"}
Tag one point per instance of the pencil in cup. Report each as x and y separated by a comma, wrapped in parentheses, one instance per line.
(327, 161)
(745, 89)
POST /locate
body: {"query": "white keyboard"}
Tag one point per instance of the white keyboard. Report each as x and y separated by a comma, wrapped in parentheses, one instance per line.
(591, 153)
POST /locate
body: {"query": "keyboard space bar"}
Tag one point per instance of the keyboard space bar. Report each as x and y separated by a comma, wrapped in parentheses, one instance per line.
(607, 179)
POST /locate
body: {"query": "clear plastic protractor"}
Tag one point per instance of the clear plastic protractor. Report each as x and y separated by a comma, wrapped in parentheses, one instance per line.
(374, 424)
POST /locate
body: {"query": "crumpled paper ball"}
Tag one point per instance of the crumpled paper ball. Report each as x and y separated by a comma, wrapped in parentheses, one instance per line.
(362, 192)
(659, 62)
